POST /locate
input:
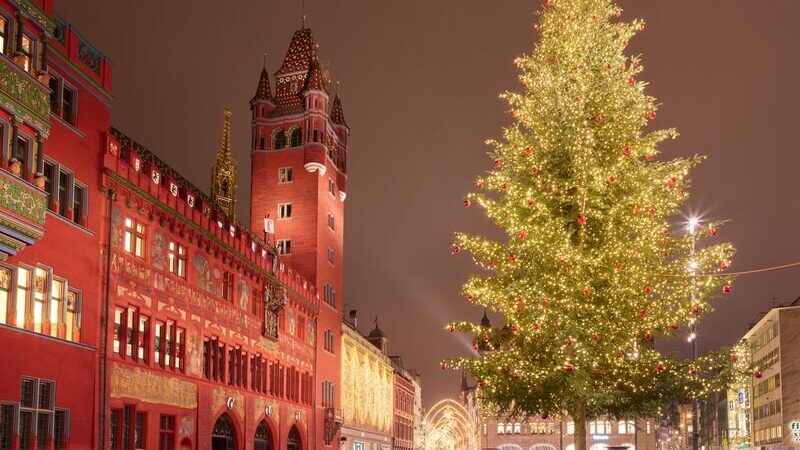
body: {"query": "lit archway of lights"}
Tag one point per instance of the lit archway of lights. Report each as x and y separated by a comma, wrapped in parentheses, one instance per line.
(447, 427)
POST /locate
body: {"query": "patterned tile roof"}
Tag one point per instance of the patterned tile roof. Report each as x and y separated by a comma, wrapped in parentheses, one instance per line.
(337, 114)
(263, 91)
(315, 79)
(301, 51)
(291, 76)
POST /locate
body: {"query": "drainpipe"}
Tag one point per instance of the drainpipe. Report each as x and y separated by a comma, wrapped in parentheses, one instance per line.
(112, 197)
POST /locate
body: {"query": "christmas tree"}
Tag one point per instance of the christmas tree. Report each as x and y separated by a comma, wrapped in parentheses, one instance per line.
(596, 262)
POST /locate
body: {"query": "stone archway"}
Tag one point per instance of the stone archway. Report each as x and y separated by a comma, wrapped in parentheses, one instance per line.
(447, 427)
(224, 435)
(293, 440)
(263, 438)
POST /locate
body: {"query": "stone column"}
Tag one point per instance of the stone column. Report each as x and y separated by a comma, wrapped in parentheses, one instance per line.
(38, 178)
(14, 167)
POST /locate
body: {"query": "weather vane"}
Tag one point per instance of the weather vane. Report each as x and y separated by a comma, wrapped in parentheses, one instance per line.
(303, 13)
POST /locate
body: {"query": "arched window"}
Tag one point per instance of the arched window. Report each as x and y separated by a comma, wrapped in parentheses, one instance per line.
(509, 428)
(501, 428)
(542, 447)
(278, 139)
(293, 440)
(509, 447)
(224, 436)
(297, 137)
(517, 428)
(262, 440)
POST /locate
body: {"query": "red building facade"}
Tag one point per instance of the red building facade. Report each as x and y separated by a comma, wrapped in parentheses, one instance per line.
(135, 311)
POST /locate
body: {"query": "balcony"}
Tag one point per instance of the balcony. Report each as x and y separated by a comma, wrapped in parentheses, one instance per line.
(22, 213)
(26, 96)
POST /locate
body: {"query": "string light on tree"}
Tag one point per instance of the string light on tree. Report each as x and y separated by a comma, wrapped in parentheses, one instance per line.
(586, 206)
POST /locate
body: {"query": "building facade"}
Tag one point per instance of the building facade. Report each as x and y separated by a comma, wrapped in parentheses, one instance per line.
(55, 95)
(774, 349)
(367, 391)
(135, 310)
(404, 407)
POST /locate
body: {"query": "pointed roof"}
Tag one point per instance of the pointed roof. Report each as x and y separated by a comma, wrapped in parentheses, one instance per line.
(315, 79)
(302, 49)
(225, 143)
(223, 172)
(337, 114)
(263, 91)
(485, 320)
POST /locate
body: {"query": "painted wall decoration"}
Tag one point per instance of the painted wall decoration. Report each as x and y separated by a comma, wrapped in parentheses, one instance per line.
(116, 227)
(149, 387)
(194, 349)
(291, 322)
(187, 426)
(244, 294)
(310, 335)
(205, 278)
(158, 249)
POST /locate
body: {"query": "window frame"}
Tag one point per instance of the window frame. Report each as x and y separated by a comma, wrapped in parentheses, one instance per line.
(136, 237)
(284, 211)
(177, 259)
(5, 29)
(285, 175)
(284, 246)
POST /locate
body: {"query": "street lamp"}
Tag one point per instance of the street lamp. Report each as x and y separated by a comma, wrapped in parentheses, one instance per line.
(692, 227)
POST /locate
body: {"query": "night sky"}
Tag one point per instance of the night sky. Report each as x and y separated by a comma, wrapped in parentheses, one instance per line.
(419, 84)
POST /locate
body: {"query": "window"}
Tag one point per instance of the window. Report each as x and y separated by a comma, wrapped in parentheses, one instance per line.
(166, 433)
(284, 210)
(7, 415)
(284, 246)
(331, 186)
(56, 316)
(284, 175)
(48, 177)
(127, 428)
(63, 193)
(329, 294)
(20, 153)
(62, 99)
(517, 428)
(570, 427)
(213, 359)
(177, 259)
(501, 429)
(227, 286)
(78, 202)
(262, 143)
(237, 367)
(331, 222)
(626, 427)
(23, 291)
(39, 421)
(41, 277)
(5, 295)
(72, 319)
(3, 39)
(296, 137)
(278, 139)
(330, 255)
(26, 48)
(330, 343)
(134, 237)
(328, 394)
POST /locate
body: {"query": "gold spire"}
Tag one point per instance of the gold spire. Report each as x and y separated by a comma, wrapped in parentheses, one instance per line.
(223, 172)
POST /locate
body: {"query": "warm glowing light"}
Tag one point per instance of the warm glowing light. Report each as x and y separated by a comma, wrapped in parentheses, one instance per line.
(693, 223)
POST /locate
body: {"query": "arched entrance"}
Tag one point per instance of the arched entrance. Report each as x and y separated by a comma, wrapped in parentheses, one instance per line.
(224, 435)
(448, 427)
(263, 439)
(293, 441)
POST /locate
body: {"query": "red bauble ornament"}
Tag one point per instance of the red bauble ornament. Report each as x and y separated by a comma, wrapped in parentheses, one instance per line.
(651, 115)
(528, 151)
(474, 346)
(758, 374)
(627, 151)
(485, 338)
(617, 266)
(726, 289)
(695, 310)
(548, 3)
(512, 258)
(515, 375)
(451, 328)
(534, 170)
(734, 358)
(569, 367)
(649, 156)
(545, 303)
(480, 185)
(599, 119)
(481, 383)
(674, 325)
(723, 266)
(504, 186)
(648, 290)
(467, 203)
(612, 179)
(595, 337)
(456, 249)
(652, 211)
(648, 336)
(498, 163)
(523, 235)
(586, 292)
(644, 314)
(582, 220)
(660, 366)
(443, 365)
(631, 81)
(544, 416)
(531, 203)
(470, 297)
(713, 232)
(570, 341)
(536, 327)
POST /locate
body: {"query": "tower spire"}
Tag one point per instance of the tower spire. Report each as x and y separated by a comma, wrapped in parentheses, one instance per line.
(303, 14)
(223, 172)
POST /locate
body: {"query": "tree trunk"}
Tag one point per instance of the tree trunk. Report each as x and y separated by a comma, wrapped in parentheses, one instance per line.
(579, 417)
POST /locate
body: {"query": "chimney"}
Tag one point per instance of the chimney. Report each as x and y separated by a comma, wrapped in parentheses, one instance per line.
(354, 318)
